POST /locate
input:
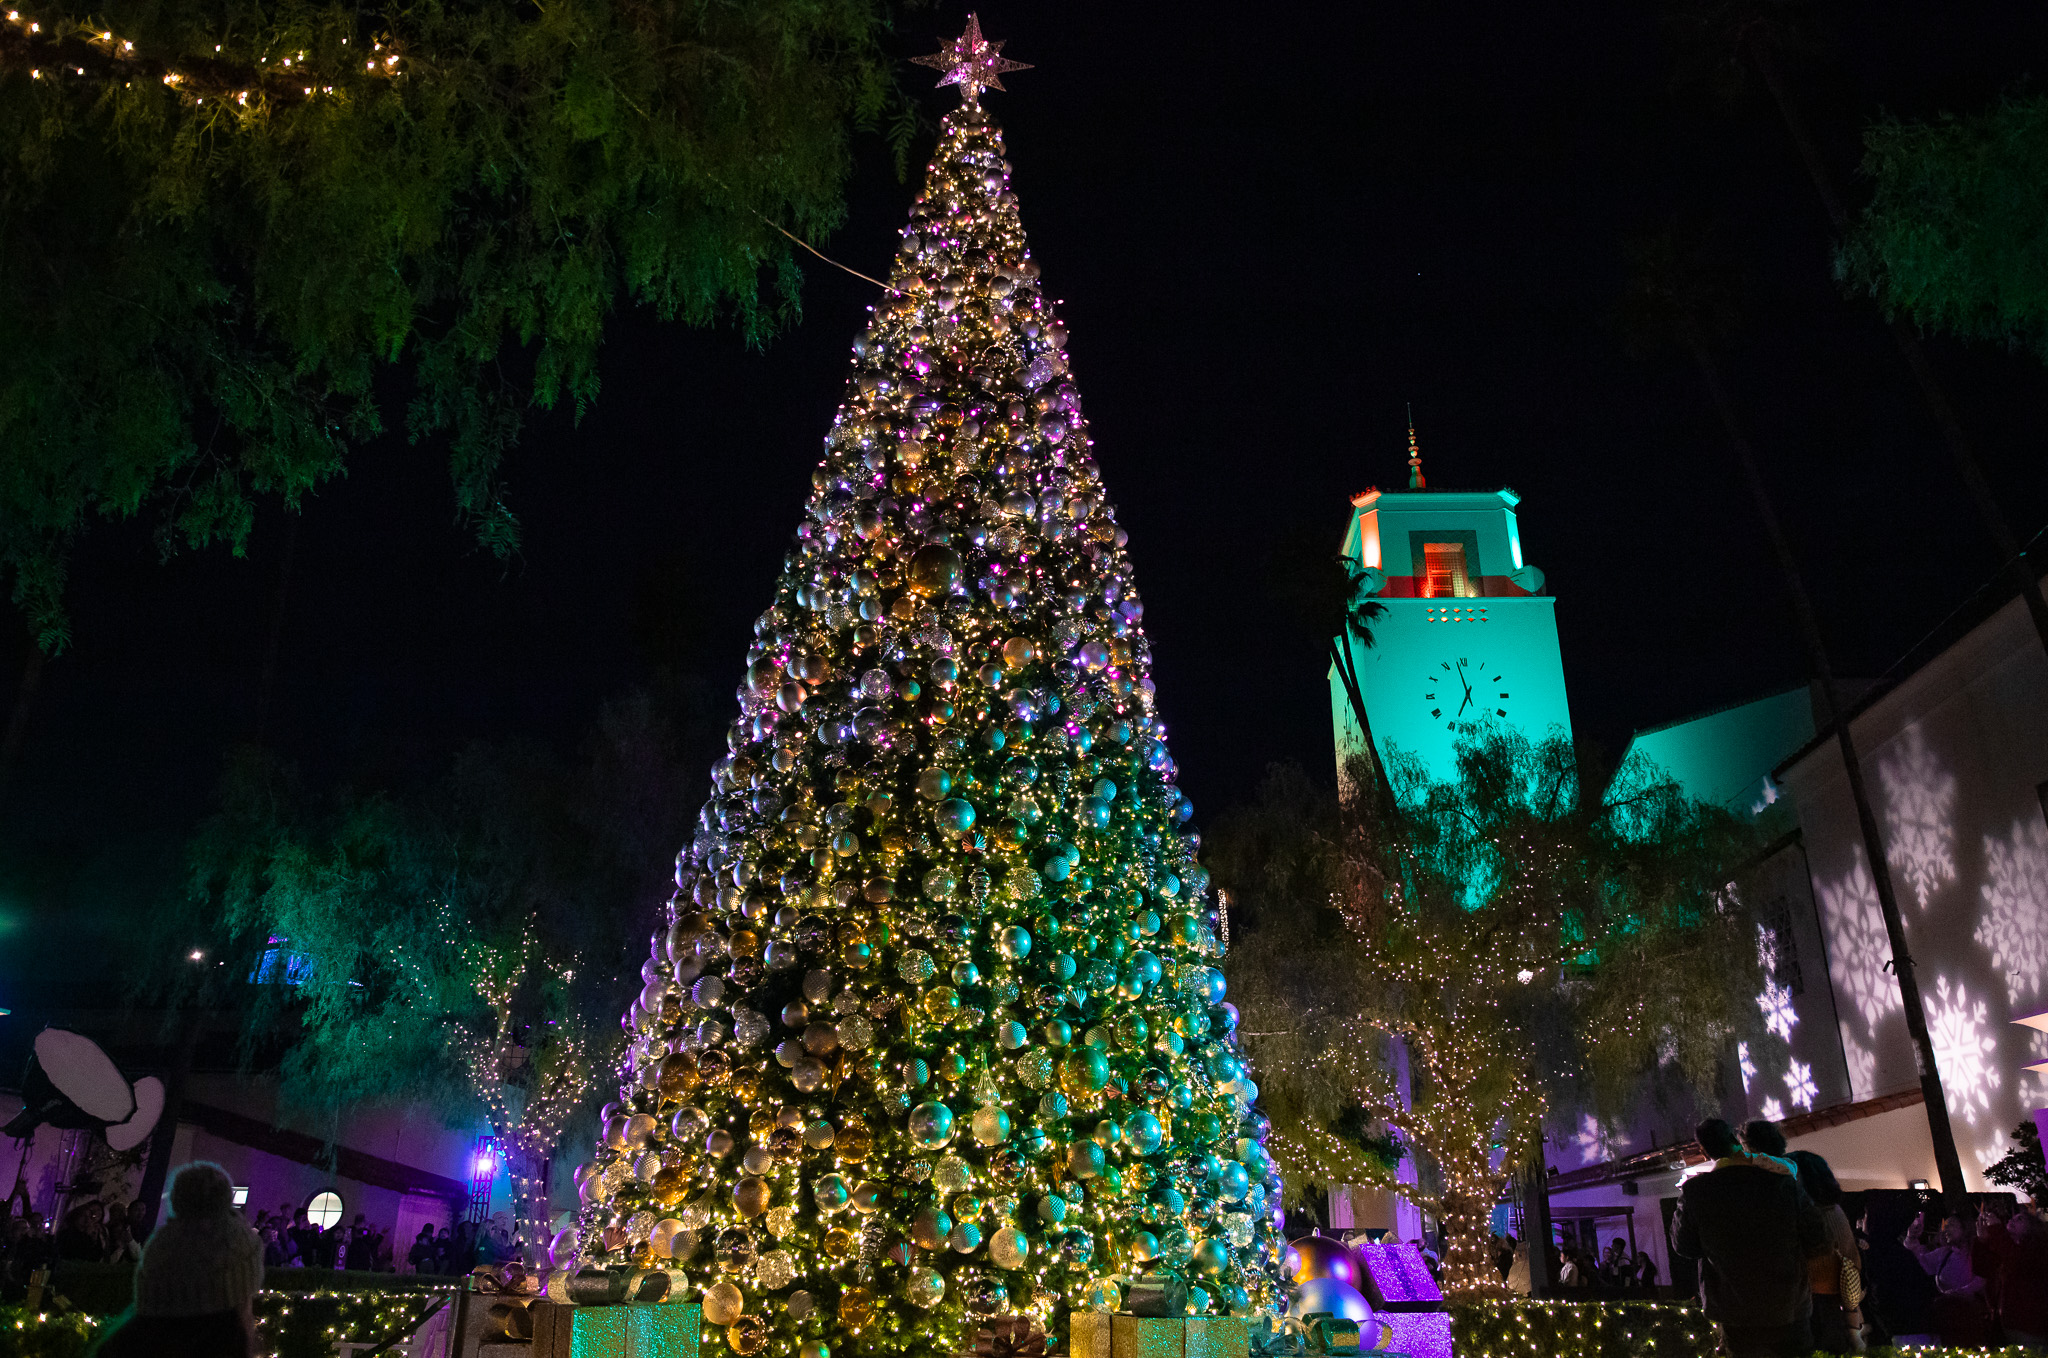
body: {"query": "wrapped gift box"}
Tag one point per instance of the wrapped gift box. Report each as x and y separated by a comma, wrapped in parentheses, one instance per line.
(1088, 1334)
(624, 1331)
(1095, 1334)
(1147, 1337)
(1217, 1337)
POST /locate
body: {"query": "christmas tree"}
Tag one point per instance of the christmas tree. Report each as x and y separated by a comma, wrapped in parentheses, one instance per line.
(936, 1030)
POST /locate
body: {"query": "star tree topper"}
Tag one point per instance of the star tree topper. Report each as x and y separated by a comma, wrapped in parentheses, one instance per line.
(972, 62)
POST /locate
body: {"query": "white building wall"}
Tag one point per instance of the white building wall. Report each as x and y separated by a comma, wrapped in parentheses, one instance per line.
(1955, 758)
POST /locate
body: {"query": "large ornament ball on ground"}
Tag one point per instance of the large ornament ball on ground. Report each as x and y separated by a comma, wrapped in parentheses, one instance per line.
(1319, 1256)
(1331, 1296)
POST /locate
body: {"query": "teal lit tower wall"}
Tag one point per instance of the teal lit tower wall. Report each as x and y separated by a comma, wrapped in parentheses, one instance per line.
(1725, 757)
(1468, 638)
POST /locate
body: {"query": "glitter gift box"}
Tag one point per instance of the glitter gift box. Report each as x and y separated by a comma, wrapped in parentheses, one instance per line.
(1217, 1337)
(627, 1331)
(1097, 1335)
(1088, 1334)
(1146, 1337)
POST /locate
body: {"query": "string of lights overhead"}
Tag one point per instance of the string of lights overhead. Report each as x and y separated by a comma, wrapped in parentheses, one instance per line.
(292, 74)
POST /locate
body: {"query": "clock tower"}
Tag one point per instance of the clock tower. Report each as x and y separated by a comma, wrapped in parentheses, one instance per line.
(1468, 637)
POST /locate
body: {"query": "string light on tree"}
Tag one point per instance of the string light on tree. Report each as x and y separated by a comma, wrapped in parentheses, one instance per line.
(270, 77)
(1449, 922)
(935, 1030)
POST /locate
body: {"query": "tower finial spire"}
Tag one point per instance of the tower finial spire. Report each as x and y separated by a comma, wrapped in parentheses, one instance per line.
(1416, 480)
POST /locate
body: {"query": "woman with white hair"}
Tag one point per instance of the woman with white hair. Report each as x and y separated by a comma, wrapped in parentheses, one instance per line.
(195, 1289)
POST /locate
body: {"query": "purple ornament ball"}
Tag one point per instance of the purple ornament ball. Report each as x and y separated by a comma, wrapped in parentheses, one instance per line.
(1331, 1296)
(1319, 1256)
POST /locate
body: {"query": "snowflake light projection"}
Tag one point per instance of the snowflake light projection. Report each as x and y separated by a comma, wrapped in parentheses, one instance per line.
(1767, 949)
(1594, 1146)
(1962, 1049)
(2013, 925)
(1748, 1066)
(1862, 1064)
(1857, 946)
(1991, 1152)
(1772, 1111)
(1799, 1085)
(1779, 1016)
(1920, 798)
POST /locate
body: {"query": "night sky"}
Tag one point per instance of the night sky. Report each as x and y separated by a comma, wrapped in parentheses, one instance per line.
(1267, 237)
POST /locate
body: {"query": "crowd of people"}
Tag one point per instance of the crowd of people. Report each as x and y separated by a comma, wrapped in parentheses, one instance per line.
(1785, 1272)
(95, 1233)
(1580, 1267)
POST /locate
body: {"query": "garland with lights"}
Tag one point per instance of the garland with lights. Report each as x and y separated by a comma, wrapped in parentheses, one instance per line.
(1622, 1329)
(1569, 1329)
(288, 1324)
(934, 1031)
(1513, 1329)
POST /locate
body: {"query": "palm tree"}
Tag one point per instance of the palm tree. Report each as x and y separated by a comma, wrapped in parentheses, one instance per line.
(1682, 292)
(1328, 595)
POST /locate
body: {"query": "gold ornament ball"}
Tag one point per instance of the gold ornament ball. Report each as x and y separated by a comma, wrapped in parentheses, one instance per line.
(925, 1287)
(747, 1334)
(934, 570)
(1009, 1247)
(750, 1195)
(856, 1307)
(661, 1243)
(723, 1304)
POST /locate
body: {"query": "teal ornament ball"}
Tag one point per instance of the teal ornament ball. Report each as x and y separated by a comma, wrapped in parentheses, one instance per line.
(956, 816)
(931, 1124)
(1234, 1182)
(831, 1193)
(1084, 1160)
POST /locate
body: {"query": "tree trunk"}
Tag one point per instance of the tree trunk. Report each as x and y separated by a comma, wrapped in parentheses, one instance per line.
(1467, 1220)
(1942, 1134)
(1340, 649)
(157, 1167)
(2012, 557)
(526, 1166)
(1536, 1222)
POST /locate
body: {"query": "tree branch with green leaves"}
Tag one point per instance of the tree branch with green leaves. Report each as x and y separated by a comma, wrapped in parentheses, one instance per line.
(231, 235)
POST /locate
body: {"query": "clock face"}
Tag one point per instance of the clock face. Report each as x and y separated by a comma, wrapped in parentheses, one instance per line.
(1465, 690)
